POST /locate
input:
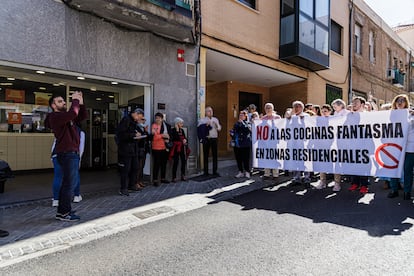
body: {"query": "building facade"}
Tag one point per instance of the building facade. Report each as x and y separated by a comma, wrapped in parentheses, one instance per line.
(271, 51)
(124, 55)
(381, 59)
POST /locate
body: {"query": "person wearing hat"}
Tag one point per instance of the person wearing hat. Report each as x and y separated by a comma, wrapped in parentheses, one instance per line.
(128, 151)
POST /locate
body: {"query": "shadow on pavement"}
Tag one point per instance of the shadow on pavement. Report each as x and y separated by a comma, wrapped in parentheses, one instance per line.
(373, 212)
(36, 218)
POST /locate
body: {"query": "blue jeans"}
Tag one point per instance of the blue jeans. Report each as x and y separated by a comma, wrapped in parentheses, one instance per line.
(57, 180)
(69, 163)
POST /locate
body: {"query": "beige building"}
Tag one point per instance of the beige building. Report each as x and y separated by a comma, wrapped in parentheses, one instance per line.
(381, 58)
(277, 51)
(255, 51)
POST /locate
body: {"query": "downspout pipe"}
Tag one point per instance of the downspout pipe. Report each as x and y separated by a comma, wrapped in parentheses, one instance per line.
(197, 10)
(351, 53)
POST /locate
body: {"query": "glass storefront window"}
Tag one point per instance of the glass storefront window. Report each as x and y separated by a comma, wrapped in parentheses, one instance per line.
(306, 6)
(24, 104)
(322, 11)
(306, 31)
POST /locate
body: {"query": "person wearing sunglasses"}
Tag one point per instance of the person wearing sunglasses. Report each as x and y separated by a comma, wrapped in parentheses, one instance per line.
(402, 102)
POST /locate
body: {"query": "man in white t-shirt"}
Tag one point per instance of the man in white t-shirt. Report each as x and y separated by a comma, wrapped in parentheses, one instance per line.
(297, 111)
(214, 127)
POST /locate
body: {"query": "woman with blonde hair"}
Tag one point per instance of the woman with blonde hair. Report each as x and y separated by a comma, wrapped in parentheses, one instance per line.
(401, 101)
(179, 150)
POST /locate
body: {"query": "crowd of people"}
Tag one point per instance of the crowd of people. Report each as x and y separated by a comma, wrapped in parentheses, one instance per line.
(164, 142)
(242, 143)
(134, 139)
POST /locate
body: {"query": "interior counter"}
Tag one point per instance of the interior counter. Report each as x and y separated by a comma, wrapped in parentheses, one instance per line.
(26, 151)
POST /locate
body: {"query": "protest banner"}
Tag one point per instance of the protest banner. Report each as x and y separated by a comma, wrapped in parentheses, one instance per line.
(360, 143)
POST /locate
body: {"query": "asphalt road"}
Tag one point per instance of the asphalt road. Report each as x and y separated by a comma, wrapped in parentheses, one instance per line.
(289, 231)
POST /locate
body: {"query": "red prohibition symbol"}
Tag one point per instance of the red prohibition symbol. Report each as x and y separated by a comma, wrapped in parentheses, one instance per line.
(384, 149)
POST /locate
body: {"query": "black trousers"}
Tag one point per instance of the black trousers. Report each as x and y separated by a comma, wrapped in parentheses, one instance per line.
(177, 157)
(210, 143)
(160, 163)
(360, 180)
(128, 167)
(243, 158)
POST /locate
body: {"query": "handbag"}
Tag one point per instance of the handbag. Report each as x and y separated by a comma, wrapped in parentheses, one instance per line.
(168, 144)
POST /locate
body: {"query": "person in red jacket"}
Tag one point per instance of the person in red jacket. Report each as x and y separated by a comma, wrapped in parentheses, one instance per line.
(64, 123)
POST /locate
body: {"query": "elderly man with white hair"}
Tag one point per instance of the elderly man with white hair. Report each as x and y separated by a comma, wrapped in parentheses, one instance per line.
(213, 125)
(270, 114)
(297, 111)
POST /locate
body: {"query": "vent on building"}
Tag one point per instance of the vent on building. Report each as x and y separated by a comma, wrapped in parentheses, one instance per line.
(190, 69)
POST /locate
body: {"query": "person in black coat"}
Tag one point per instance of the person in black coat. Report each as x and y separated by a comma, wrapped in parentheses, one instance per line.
(242, 143)
(128, 150)
(143, 149)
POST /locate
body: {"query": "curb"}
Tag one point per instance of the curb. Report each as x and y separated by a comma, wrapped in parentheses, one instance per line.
(125, 220)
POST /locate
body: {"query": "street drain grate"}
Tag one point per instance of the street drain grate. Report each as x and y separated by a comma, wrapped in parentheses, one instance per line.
(153, 212)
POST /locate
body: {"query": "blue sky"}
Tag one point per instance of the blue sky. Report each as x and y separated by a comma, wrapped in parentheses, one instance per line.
(393, 12)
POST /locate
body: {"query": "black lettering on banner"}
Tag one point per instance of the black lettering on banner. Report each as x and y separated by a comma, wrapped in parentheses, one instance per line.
(334, 156)
(260, 153)
(365, 156)
(272, 134)
(387, 130)
(398, 130)
(287, 133)
(368, 132)
(330, 132)
(376, 129)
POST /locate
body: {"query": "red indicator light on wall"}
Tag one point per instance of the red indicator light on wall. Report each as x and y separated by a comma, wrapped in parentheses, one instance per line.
(180, 55)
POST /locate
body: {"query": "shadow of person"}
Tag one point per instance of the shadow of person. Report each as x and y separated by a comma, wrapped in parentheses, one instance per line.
(373, 212)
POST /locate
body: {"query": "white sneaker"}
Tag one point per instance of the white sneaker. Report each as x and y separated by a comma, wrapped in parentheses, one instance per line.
(77, 199)
(321, 185)
(55, 203)
(247, 174)
(337, 187)
(240, 174)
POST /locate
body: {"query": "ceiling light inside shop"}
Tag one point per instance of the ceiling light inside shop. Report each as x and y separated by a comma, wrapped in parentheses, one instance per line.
(80, 78)
(99, 99)
(111, 96)
(114, 82)
(40, 72)
(93, 88)
(11, 79)
(6, 83)
(42, 88)
(56, 84)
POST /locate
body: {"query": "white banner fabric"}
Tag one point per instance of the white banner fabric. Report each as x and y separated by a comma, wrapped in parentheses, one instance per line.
(360, 143)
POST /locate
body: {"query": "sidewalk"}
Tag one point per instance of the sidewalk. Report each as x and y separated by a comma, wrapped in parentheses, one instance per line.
(35, 219)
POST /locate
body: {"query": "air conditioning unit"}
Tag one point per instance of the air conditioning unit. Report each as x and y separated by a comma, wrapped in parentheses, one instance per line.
(390, 74)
